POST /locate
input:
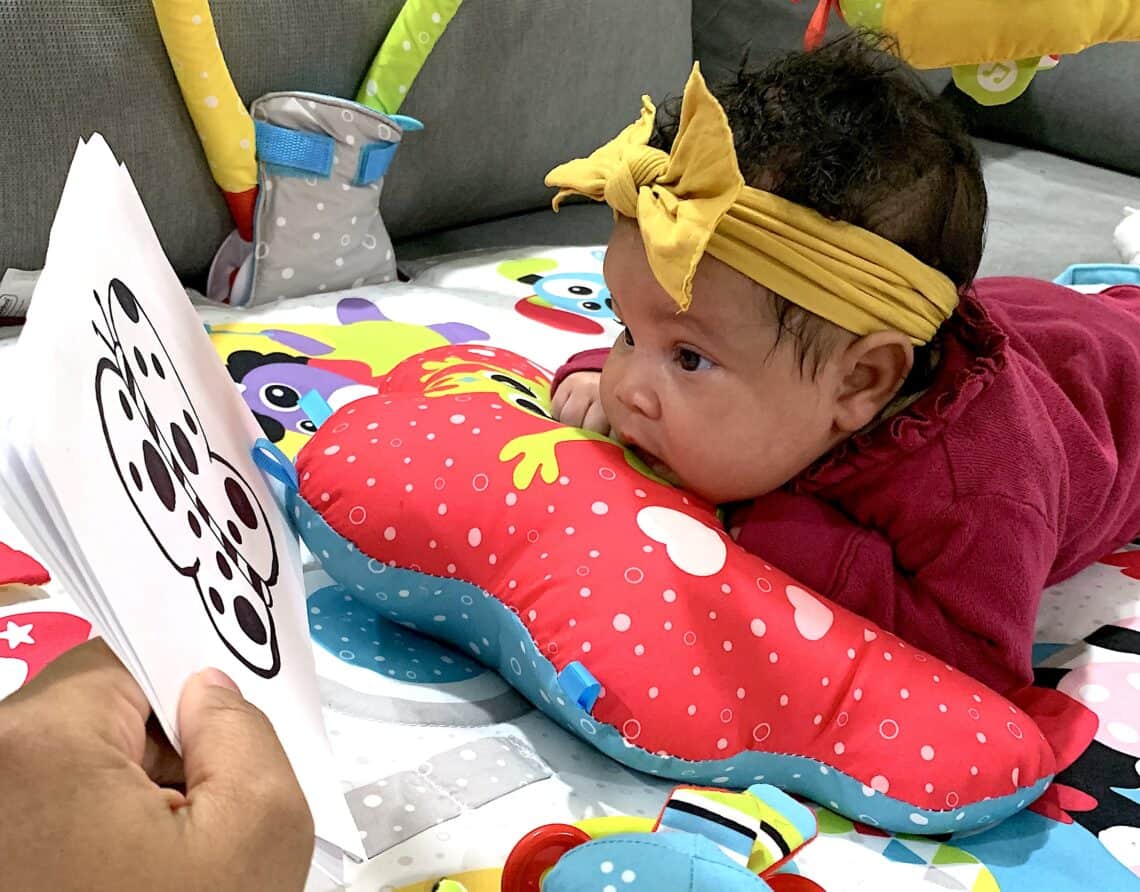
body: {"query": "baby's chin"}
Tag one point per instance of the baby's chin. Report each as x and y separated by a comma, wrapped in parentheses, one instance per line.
(655, 465)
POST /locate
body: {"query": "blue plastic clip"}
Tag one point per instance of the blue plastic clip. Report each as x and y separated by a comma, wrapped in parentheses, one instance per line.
(579, 685)
(315, 407)
(275, 463)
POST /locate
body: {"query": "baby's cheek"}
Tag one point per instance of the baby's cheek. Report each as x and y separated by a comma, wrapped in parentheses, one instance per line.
(606, 388)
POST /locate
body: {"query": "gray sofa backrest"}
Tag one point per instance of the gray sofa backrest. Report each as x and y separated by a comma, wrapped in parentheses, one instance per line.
(513, 88)
(1088, 108)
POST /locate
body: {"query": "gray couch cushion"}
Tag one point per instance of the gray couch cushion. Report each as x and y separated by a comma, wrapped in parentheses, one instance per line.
(574, 224)
(513, 87)
(1045, 213)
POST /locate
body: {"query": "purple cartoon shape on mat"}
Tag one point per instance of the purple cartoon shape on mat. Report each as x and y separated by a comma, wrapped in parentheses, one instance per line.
(272, 385)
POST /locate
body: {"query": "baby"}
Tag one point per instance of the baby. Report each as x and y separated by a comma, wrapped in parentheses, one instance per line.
(805, 344)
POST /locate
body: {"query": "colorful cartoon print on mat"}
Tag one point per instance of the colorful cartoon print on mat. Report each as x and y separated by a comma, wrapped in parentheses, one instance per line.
(275, 367)
(569, 301)
(33, 640)
(1128, 561)
(1101, 790)
(881, 860)
(488, 879)
(196, 506)
(363, 638)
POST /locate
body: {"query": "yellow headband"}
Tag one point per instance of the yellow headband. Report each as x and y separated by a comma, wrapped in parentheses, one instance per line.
(693, 201)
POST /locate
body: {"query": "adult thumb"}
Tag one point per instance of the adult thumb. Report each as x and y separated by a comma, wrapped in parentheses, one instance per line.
(241, 792)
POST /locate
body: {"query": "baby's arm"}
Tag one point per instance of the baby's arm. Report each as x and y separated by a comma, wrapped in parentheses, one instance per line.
(965, 592)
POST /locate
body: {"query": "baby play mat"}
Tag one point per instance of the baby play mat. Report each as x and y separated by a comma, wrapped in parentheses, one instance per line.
(446, 765)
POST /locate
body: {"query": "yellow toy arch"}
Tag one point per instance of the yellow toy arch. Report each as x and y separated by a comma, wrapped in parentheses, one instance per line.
(224, 125)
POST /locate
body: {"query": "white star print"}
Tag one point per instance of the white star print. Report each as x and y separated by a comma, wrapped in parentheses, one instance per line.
(16, 635)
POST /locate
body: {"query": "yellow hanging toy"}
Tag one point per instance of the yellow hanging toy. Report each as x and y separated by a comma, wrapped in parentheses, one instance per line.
(994, 47)
(224, 125)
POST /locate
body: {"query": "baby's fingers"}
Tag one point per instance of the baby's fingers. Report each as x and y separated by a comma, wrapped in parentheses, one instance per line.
(573, 409)
(595, 419)
(558, 401)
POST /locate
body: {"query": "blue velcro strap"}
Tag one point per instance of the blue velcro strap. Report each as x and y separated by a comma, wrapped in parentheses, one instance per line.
(374, 160)
(275, 463)
(315, 408)
(306, 153)
(406, 123)
(579, 685)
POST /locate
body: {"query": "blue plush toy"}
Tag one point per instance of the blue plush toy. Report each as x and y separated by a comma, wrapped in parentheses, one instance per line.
(703, 839)
(647, 862)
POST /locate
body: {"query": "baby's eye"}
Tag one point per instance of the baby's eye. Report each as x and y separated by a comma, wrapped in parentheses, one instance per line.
(627, 336)
(691, 360)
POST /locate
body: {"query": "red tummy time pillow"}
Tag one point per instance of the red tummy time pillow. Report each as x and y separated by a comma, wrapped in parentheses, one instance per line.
(452, 503)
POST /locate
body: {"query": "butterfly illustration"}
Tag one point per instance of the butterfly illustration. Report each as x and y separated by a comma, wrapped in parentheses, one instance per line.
(203, 516)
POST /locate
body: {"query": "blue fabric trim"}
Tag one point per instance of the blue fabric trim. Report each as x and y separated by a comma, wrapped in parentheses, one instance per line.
(275, 463)
(374, 160)
(1100, 274)
(315, 407)
(406, 123)
(294, 150)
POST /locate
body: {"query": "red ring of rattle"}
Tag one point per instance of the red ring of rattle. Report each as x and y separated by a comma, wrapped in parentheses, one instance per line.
(536, 853)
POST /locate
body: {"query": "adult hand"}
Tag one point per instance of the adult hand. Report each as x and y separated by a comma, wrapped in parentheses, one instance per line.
(81, 810)
(578, 402)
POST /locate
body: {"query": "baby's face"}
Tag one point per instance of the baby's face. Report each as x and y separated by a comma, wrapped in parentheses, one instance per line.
(706, 397)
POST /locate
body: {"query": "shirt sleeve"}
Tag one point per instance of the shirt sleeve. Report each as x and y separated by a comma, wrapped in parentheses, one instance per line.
(586, 361)
(964, 588)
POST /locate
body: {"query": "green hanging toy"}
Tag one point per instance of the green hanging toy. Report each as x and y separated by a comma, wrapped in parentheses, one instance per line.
(404, 51)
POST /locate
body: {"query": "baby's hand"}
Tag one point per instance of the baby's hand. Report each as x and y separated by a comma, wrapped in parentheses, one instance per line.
(578, 402)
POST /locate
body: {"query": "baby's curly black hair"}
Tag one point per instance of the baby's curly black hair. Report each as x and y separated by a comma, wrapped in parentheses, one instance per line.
(850, 131)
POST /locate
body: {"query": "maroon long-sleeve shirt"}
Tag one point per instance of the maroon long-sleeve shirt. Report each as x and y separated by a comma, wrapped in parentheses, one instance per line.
(1018, 467)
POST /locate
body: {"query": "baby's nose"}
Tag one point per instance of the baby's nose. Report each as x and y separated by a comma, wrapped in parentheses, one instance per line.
(636, 392)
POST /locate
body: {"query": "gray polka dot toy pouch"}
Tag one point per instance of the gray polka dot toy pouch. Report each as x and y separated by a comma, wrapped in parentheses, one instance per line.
(317, 227)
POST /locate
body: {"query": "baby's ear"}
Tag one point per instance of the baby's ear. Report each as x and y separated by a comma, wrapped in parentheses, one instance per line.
(872, 369)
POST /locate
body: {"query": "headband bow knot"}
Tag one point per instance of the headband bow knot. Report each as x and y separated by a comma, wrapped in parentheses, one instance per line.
(693, 200)
(640, 166)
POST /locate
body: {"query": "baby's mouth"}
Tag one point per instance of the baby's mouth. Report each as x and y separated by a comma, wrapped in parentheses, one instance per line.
(651, 461)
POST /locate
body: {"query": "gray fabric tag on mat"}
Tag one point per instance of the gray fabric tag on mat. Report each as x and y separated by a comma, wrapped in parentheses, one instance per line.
(395, 808)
